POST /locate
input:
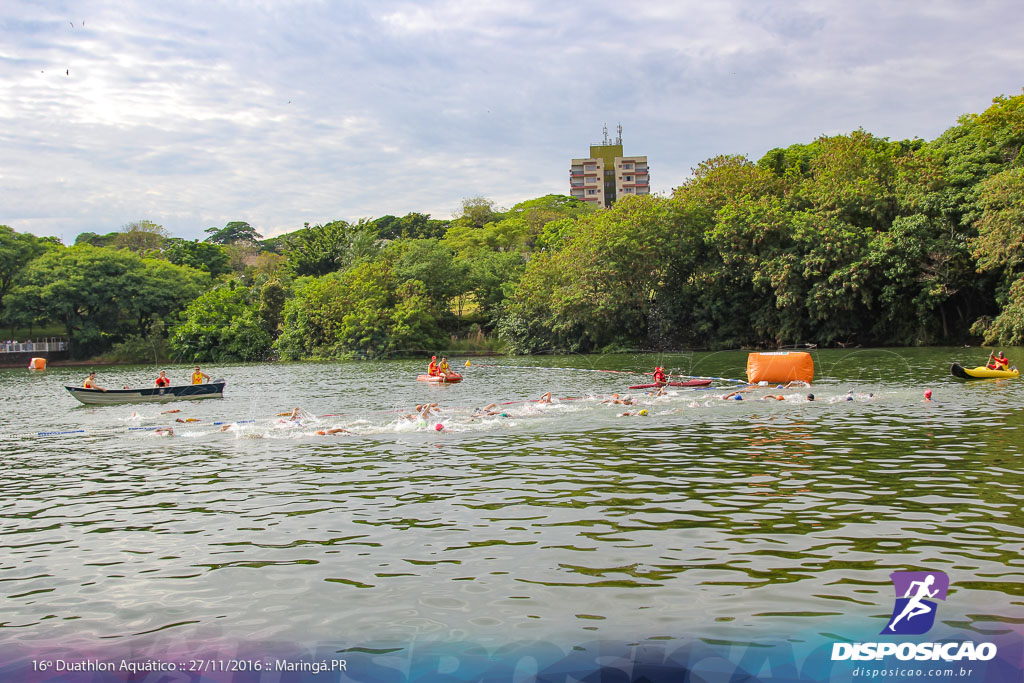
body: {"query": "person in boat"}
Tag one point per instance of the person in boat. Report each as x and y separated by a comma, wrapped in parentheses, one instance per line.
(443, 368)
(998, 362)
(198, 376)
(659, 376)
(90, 382)
(162, 380)
(433, 369)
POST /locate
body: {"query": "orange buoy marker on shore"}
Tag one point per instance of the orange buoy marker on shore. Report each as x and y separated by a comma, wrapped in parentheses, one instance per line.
(37, 364)
(780, 366)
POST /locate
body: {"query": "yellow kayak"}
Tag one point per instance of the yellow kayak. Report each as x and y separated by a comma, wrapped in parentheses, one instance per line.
(982, 372)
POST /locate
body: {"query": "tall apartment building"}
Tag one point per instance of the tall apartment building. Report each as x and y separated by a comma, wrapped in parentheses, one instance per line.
(608, 175)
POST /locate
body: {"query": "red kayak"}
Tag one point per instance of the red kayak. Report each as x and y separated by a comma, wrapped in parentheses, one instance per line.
(687, 383)
(450, 378)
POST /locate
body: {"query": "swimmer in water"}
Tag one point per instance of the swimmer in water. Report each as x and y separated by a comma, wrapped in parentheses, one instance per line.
(333, 430)
(734, 395)
(810, 397)
(187, 419)
(546, 398)
(773, 397)
(294, 415)
(927, 396)
(630, 413)
(487, 410)
(421, 411)
(796, 383)
(164, 431)
(615, 400)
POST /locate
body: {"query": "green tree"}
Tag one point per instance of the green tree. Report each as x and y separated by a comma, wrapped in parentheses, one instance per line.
(409, 226)
(163, 289)
(434, 265)
(364, 311)
(323, 249)
(87, 289)
(271, 306)
(598, 291)
(220, 326)
(234, 232)
(205, 256)
(141, 237)
(17, 250)
(478, 212)
(999, 249)
(95, 239)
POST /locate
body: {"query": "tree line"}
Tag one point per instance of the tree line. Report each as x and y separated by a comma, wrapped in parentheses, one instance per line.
(848, 239)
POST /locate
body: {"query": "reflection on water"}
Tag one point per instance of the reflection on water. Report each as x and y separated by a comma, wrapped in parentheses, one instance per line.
(727, 519)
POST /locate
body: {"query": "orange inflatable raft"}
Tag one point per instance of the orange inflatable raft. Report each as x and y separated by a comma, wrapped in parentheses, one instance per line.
(780, 366)
(450, 378)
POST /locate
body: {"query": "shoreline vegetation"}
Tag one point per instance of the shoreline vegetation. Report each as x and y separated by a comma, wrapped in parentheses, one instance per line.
(848, 240)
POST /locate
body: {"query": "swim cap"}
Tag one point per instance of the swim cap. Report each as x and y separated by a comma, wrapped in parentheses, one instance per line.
(810, 397)
(643, 412)
(504, 414)
(849, 398)
(439, 426)
(433, 358)
(738, 397)
(927, 393)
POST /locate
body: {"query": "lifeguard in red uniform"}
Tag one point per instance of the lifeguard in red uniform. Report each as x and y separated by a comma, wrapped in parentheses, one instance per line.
(432, 369)
(659, 376)
(163, 380)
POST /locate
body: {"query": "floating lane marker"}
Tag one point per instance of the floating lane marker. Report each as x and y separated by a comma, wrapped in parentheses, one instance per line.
(70, 431)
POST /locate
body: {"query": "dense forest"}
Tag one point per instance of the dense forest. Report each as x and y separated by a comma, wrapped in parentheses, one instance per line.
(849, 239)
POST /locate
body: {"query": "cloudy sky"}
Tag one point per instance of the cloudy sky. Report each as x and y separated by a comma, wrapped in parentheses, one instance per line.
(279, 112)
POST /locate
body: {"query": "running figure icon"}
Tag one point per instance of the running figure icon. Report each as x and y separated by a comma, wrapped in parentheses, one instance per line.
(916, 588)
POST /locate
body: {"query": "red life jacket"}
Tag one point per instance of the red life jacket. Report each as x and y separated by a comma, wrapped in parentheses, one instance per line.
(1001, 363)
(659, 376)
(163, 381)
(433, 370)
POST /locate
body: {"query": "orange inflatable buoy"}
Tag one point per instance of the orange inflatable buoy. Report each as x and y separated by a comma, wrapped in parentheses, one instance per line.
(780, 366)
(37, 364)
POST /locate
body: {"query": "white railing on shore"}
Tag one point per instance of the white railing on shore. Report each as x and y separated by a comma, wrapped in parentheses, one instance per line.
(42, 346)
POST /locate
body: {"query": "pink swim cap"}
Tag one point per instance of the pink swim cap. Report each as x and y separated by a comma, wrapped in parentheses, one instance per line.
(927, 393)
(439, 426)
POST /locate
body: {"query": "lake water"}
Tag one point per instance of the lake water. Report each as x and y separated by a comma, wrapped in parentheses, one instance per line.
(564, 523)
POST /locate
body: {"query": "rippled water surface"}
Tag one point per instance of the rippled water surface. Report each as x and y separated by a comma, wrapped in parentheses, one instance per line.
(564, 522)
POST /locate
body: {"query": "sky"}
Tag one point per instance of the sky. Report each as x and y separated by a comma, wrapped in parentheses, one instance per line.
(282, 112)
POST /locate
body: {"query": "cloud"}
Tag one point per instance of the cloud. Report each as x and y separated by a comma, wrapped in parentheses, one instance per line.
(278, 113)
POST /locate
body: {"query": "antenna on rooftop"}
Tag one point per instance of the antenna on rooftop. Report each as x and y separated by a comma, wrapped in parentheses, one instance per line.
(605, 131)
(618, 140)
